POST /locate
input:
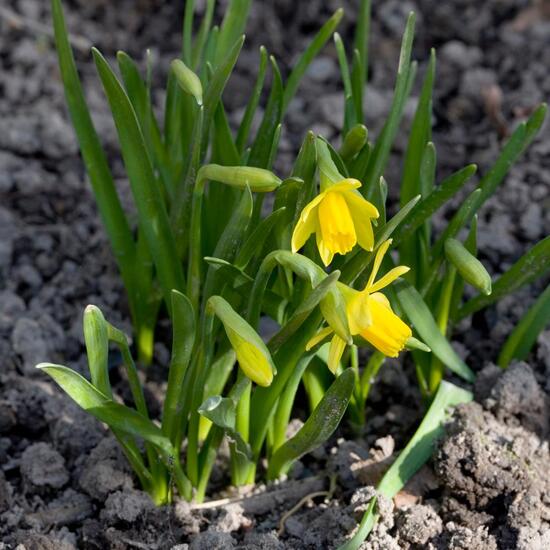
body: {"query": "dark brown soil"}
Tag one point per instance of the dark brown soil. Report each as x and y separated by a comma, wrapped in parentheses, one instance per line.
(63, 482)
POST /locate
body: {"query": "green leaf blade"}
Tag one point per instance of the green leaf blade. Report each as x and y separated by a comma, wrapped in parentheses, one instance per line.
(318, 427)
(421, 318)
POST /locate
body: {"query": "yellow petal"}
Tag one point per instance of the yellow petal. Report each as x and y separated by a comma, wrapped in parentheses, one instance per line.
(362, 212)
(319, 337)
(336, 224)
(367, 209)
(389, 277)
(324, 251)
(347, 184)
(382, 249)
(306, 224)
(381, 299)
(336, 350)
(358, 312)
(254, 363)
(304, 228)
(387, 333)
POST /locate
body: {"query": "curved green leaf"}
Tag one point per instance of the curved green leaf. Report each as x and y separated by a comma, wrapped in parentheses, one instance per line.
(533, 264)
(414, 455)
(422, 319)
(152, 213)
(318, 427)
(521, 340)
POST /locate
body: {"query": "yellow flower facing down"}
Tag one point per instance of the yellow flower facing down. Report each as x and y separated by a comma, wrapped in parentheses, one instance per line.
(369, 315)
(252, 359)
(252, 354)
(340, 218)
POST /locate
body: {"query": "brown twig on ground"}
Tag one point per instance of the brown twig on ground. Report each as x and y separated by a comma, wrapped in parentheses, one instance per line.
(304, 500)
(17, 21)
(261, 503)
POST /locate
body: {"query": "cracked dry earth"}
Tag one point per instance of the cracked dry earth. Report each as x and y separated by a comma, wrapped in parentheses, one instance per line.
(63, 482)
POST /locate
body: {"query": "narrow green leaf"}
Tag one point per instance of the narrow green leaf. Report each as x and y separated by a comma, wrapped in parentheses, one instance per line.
(225, 150)
(110, 209)
(252, 105)
(533, 264)
(233, 25)
(106, 410)
(518, 142)
(413, 456)
(405, 72)
(318, 427)
(96, 337)
(462, 217)
(139, 96)
(435, 200)
(183, 339)
(359, 70)
(202, 35)
(421, 318)
(152, 214)
(254, 244)
(346, 80)
(419, 136)
(309, 55)
(355, 267)
(230, 240)
(216, 85)
(187, 40)
(180, 212)
(525, 334)
(262, 146)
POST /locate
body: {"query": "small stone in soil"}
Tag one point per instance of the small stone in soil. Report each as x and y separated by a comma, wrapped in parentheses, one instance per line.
(43, 467)
(212, 540)
(129, 506)
(418, 524)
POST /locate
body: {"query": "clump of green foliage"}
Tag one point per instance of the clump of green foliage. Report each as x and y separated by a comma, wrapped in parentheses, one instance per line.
(211, 253)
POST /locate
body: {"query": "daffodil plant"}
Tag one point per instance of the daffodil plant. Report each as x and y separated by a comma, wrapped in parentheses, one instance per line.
(209, 253)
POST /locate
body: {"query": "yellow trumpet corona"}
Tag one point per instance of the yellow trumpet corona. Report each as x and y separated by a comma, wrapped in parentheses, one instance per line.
(340, 217)
(369, 315)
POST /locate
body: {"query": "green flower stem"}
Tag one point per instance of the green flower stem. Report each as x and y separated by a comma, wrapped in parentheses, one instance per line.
(181, 209)
(264, 400)
(213, 440)
(195, 240)
(183, 339)
(242, 425)
(437, 368)
(158, 470)
(206, 343)
(364, 385)
(314, 385)
(369, 374)
(208, 457)
(286, 401)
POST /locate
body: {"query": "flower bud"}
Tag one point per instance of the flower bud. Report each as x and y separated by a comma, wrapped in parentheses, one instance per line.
(258, 179)
(187, 79)
(252, 354)
(354, 141)
(469, 267)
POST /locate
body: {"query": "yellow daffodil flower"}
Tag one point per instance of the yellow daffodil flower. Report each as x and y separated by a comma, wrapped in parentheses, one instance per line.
(340, 217)
(252, 354)
(369, 315)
